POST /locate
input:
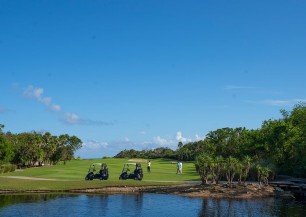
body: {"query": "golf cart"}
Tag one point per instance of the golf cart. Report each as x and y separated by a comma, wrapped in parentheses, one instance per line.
(137, 174)
(102, 173)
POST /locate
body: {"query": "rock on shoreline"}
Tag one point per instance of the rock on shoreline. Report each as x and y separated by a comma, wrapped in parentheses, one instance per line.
(214, 191)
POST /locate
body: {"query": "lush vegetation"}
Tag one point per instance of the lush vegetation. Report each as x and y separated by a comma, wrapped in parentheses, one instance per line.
(29, 149)
(279, 146)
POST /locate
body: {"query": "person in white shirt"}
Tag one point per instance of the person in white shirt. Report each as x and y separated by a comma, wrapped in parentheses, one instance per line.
(181, 168)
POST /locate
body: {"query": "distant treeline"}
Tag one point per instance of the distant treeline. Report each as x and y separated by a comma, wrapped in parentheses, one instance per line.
(279, 144)
(149, 154)
(33, 149)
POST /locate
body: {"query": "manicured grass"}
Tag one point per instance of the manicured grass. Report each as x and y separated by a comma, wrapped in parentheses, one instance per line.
(72, 175)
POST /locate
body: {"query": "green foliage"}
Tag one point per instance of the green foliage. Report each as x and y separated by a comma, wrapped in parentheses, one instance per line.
(6, 150)
(148, 154)
(29, 149)
(231, 167)
(204, 164)
(213, 167)
(6, 168)
(263, 174)
(282, 142)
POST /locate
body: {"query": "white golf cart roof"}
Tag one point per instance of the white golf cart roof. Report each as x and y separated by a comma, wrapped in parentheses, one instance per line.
(96, 164)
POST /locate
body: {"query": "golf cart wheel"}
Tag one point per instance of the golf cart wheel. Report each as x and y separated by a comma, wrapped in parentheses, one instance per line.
(139, 177)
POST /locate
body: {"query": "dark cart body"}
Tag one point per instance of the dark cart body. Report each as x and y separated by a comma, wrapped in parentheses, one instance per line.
(136, 175)
(101, 174)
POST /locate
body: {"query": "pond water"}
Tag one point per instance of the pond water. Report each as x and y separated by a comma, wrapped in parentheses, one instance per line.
(149, 205)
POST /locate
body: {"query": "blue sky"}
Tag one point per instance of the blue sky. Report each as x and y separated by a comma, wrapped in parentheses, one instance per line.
(139, 74)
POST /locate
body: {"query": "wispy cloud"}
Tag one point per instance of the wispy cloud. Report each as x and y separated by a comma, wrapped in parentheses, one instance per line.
(162, 141)
(276, 102)
(93, 144)
(56, 108)
(37, 94)
(74, 119)
(235, 87)
(34, 93)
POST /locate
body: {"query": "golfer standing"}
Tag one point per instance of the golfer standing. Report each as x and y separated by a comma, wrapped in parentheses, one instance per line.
(149, 167)
(178, 171)
(181, 167)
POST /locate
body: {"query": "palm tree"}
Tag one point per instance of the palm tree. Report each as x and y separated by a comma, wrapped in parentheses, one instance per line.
(231, 169)
(218, 167)
(240, 168)
(262, 174)
(247, 166)
(202, 167)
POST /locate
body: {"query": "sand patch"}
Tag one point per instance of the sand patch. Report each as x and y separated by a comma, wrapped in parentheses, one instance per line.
(138, 160)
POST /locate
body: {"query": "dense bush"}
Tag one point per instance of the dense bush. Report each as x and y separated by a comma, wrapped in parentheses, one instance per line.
(6, 168)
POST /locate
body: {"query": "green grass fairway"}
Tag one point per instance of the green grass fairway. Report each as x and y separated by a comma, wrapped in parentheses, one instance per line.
(72, 175)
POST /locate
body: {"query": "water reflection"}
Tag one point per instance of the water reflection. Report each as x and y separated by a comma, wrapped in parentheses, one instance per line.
(9, 199)
(253, 207)
(148, 205)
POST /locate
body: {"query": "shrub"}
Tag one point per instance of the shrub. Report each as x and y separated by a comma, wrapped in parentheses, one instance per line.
(5, 168)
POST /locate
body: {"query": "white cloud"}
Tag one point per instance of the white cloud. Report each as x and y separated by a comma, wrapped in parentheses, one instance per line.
(198, 138)
(143, 132)
(36, 94)
(161, 141)
(179, 137)
(92, 144)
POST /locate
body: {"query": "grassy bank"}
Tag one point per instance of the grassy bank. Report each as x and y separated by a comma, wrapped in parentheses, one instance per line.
(71, 176)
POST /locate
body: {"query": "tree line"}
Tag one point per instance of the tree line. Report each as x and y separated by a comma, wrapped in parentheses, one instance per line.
(279, 144)
(161, 152)
(277, 147)
(32, 148)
